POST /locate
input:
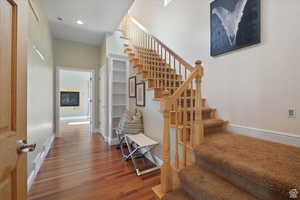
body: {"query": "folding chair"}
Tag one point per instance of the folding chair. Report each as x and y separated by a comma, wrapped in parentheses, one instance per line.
(140, 142)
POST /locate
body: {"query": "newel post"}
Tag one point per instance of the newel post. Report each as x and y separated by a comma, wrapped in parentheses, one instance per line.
(166, 174)
(199, 129)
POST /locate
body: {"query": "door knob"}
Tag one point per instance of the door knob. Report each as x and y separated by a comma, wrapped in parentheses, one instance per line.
(23, 147)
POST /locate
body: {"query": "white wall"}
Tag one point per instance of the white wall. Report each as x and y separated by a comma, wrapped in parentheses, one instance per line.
(77, 81)
(115, 44)
(40, 85)
(252, 87)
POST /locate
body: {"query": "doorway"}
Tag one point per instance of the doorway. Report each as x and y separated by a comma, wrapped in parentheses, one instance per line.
(74, 101)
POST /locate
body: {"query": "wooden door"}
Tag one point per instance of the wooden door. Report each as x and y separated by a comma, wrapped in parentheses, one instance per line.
(12, 99)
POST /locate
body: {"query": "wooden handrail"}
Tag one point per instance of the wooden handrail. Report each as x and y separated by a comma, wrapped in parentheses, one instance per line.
(188, 66)
(184, 63)
(182, 103)
(196, 133)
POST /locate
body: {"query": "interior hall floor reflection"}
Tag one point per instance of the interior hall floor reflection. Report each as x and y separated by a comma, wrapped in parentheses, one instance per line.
(81, 166)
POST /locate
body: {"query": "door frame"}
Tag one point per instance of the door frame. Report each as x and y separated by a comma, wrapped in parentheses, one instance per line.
(57, 96)
(102, 106)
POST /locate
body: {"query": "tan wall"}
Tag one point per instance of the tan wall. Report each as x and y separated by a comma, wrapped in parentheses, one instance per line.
(75, 54)
(40, 83)
(79, 55)
(252, 87)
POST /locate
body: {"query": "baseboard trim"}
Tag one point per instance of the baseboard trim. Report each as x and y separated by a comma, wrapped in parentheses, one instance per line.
(113, 141)
(38, 161)
(110, 141)
(74, 118)
(275, 136)
(96, 130)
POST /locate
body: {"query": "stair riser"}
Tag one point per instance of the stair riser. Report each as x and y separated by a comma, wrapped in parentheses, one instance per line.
(195, 192)
(244, 182)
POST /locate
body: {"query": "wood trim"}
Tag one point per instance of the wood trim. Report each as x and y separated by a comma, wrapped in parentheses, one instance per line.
(31, 5)
(144, 94)
(183, 87)
(181, 60)
(14, 64)
(21, 95)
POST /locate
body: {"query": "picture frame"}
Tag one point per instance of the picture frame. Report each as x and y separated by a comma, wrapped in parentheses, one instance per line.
(234, 24)
(132, 87)
(140, 94)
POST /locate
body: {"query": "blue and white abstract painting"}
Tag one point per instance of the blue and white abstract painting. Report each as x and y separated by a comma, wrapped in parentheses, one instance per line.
(234, 24)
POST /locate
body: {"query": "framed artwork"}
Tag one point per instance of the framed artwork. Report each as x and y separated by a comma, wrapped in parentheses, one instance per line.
(132, 87)
(69, 99)
(234, 24)
(140, 94)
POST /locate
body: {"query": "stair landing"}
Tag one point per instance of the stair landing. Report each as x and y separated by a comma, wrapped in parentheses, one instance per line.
(269, 165)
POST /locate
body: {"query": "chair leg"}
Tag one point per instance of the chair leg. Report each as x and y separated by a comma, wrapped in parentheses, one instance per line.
(131, 154)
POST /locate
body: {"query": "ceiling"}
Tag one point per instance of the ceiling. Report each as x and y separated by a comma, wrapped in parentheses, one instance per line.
(98, 16)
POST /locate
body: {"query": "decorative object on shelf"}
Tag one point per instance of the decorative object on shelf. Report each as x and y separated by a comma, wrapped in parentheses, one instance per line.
(234, 24)
(69, 99)
(132, 87)
(140, 94)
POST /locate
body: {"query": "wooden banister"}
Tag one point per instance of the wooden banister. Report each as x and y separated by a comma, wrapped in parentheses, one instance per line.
(182, 61)
(194, 132)
(141, 37)
(184, 86)
(181, 96)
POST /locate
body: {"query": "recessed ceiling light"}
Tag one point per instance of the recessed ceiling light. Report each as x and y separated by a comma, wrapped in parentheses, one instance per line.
(59, 19)
(79, 22)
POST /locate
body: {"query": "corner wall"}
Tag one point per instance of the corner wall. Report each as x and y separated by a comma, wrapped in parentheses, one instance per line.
(40, 87)
(252, 87)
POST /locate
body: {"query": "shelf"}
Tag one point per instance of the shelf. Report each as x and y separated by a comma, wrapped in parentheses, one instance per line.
(116, 117)
(120, 71)
(120, 82)
(119, 93)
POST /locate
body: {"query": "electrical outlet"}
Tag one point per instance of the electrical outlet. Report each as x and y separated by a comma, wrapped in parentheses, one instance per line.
(292, 113)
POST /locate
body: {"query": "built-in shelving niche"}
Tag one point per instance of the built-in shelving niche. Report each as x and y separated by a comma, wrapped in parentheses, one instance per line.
(119, 91)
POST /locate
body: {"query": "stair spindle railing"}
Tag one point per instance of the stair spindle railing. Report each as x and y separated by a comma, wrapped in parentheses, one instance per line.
(182, 99)
(141, 39)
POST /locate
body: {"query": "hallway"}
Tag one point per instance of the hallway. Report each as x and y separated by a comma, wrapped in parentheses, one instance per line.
(81, 166)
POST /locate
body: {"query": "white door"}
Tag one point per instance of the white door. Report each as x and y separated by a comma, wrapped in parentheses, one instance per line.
(90, 102)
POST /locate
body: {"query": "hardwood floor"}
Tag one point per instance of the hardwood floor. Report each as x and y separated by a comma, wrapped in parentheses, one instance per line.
(80, 166)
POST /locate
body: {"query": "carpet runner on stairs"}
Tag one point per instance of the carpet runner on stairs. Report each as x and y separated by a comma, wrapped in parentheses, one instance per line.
(178, 195)
(236, 167)
(202, 184)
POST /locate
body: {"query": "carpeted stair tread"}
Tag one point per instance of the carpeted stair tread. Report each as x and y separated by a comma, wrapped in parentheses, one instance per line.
(213, 123)
(177, 195)
(202, 184)
(269, 165)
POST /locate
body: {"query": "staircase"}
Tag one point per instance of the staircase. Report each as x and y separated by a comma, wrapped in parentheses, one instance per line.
(224, 166)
